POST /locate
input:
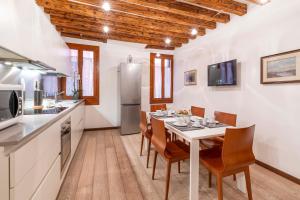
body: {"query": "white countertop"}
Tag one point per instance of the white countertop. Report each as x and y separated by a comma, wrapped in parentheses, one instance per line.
(32, 125)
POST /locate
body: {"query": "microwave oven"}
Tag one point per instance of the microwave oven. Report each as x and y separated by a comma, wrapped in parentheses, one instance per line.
(11, 105)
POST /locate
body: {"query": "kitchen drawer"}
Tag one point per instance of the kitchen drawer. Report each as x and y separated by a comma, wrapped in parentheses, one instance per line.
(45, 147)
(77, 126)
(4, 177)
(25, 188)
(78, 115)
(50, 186)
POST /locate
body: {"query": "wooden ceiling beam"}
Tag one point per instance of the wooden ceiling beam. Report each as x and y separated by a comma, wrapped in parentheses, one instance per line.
(54, 6)
(116, 36)
(177, 8)
(91, 25)
(118, 6)
(158, 47)
(84, 37)
(259, 2)
(229, 6)
(137, 33)
(133, 23)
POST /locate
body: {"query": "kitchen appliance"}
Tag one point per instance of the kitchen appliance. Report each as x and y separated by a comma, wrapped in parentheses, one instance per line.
(38, 96)
(11, 105)
(130, 86)
(13, 59)
(65, 142)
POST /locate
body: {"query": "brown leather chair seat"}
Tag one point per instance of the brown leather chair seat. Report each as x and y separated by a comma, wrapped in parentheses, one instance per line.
(211, 143)
(212, 157)
(176, 151)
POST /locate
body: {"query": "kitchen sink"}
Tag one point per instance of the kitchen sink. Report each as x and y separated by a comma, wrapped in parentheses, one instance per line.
(54, 110)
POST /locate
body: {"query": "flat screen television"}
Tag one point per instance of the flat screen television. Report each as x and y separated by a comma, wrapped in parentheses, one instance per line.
(222, 74)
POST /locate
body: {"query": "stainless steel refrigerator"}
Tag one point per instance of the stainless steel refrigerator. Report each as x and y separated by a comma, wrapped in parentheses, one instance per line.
(130, 80)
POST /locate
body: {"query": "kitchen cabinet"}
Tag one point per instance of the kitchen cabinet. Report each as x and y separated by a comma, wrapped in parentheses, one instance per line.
(77, 126)
(30, 164)
(49, 188)
(27, 30)
(35, 168)
(4, 176)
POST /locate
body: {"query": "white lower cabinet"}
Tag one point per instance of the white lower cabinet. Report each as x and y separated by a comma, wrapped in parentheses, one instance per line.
(4, 177)
(35, 168)
(77, 126)
(30, 164)
(49, 188)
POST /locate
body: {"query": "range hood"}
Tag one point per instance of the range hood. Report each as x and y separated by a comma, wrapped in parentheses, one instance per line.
(54, 73)
(12, 59)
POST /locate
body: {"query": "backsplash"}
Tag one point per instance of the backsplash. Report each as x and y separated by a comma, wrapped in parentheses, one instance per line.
(12, 75)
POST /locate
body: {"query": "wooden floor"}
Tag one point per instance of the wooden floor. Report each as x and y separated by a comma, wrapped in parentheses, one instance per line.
(108, 166)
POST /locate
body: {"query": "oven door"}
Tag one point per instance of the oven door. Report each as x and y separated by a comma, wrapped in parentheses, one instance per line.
(65, 149)
(65, 142)
(9, 105)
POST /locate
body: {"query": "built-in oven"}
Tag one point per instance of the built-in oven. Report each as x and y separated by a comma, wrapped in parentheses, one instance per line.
(65, 142)
(11, 106)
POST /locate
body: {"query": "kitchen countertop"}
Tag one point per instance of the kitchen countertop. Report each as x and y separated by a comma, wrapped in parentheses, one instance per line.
(31, 125)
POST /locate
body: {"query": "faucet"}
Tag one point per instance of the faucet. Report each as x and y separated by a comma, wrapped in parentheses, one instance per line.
(57, 94)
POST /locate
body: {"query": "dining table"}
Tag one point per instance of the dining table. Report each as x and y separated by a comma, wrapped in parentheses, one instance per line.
(194, 136)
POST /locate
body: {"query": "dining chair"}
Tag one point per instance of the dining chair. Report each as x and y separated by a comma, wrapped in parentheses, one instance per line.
(198, 111)
(222, 117)
(217, 142)
(155, 107)
(236, 156)
(171, 151)
(146, 133)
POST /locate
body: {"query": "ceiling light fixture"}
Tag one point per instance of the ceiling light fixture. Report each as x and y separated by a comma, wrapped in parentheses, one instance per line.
(106, 6)
(168, 41)
(8, 63)
(263, 2)
(194, 31)
(105, 29)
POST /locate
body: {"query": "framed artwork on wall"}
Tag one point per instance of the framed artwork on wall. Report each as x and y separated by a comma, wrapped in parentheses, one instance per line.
(281, 68)
(190, 77)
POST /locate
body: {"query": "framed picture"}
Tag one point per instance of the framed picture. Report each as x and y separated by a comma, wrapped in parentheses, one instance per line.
(190, 77)
(281, 68)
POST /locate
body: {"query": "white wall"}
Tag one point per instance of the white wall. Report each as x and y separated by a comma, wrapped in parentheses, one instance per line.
(107, 114)
(265, 30)
(26, 29)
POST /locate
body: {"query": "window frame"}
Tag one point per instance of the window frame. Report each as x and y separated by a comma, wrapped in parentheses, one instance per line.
(163, 57)
(89, 100)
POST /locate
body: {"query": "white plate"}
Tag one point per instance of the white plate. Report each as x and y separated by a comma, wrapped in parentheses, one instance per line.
(180, 124)
(197, 125)
(158, 114)
(195, 118)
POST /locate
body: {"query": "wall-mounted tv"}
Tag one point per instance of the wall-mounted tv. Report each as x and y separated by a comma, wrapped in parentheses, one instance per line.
(222, 74)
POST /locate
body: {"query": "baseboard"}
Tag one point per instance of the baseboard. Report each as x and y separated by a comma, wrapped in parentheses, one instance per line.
(279, 172)
(102, 128)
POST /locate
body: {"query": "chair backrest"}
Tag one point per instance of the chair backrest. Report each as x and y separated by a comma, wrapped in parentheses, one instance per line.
(159, 138)
(155, 107)
(143, 122)
(198, 111)
(237, 148)
(226, 118)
